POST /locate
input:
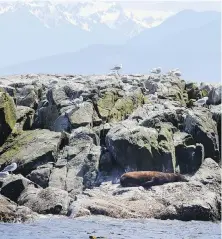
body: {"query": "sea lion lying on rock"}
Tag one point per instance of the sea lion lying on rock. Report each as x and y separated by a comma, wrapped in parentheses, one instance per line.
(149, 178)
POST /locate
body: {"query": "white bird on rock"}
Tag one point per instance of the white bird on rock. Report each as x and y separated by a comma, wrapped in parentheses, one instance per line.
(10, 168)
(153, 97)
(177, 73)
(78, 101)
(202, 101)
(117, 68)
(4, 174)
(156, 70)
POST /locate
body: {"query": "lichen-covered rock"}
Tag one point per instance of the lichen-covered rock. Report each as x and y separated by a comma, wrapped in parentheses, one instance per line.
(30, 149)
(49, 200)
(137, 148)
(166, 87)
(116, 105)
(7, 116)
(74, 154)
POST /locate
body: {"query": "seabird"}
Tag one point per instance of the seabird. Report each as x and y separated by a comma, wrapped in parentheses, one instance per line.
(156, 70)
(117, 68)
(153, 97)
(10, 168)
(78, 101)
(202, 101)
(171, 72)
(177, 73)
(4, 174)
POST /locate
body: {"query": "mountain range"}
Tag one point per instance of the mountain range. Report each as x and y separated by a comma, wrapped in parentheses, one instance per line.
(34, 29)
(188, 40)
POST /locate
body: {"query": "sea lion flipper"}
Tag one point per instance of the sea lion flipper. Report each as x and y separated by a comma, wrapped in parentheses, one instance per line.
(149, 183)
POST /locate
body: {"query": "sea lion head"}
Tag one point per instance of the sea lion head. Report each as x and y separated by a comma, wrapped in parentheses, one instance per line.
(181, 178)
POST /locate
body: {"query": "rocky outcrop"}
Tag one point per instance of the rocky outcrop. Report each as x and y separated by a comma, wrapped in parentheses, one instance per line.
(7, 116)
(71, 155)
(30, 149)
(182, 201)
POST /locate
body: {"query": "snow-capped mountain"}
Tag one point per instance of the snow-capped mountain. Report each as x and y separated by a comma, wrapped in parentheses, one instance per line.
(88, 16)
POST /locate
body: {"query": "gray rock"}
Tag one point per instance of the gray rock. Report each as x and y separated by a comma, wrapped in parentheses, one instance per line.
(215, 95)
(58, 178)
(216, 113)
(49, 200)
(82, 116)
(209, 174)
(24, 117)
(201, 126)
(189, 155)
(10, 212)
(14, 185)
(27, 96)
(31, 149)
(41, 175)
(137, 148)
(7, 116)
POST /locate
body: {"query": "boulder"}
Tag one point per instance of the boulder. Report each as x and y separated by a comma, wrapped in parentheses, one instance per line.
(116, 105)
(10, 212)
(137, 148)
(216, 113)
(170, 87)
(45, 117)
(189, 155)
(202, 127)
(14, 185)
(27, 96)
(186, 201)
(30, 149)
(7, 116)
(49, 200)
(78, 163)
(41, 175)
(24, 118)
(82, 116)
(215, 96)
(209, 174)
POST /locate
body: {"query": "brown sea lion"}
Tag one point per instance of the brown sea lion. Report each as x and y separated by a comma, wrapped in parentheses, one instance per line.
(149, 178)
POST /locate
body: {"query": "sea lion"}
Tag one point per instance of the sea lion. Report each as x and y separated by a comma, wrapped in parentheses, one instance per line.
(149, 178)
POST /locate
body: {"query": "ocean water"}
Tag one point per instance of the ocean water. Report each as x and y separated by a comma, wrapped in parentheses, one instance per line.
(82, 228)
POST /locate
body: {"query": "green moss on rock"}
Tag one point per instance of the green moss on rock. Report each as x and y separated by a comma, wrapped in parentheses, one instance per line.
(8, 106)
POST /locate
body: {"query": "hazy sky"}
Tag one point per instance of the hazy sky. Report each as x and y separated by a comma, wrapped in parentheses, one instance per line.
(159, 5)
(174, 5)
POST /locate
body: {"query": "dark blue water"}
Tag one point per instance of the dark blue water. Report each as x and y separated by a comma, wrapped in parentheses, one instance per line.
(63, 228)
